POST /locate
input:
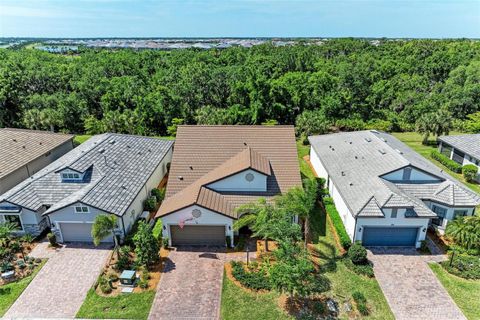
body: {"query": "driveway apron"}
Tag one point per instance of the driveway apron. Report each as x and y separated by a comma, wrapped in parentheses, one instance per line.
(191, 285)
(410, 287)
(60, 287)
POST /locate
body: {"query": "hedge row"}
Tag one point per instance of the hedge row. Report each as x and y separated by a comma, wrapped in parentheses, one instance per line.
(464, 266)
(337, 222)
(446, 161)
(256, 280)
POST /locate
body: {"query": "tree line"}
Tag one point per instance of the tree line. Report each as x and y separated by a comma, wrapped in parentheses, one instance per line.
(347, 84)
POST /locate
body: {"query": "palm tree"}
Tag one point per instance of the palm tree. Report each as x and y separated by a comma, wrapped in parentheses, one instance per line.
(465, 231)
(301, 202)
(104, 226)
(6, 230)
(257, 216)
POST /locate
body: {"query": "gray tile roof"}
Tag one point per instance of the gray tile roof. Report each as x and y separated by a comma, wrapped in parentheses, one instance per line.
(19, 147)
(356, 162)
(467, 143)
(117, 167)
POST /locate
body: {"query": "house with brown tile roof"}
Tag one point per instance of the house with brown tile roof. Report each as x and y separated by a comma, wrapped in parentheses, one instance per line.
(215, 169)
(25, 152)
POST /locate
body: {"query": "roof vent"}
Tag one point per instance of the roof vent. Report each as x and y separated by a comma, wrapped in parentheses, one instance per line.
(128, 146)
(101, 150)
(351, 184)
(356, 157)
(333, 149)
(343, 173)
(111, 141)
(24, 147)
(384, 140)
(180, 178)
(399, 151)
(244, 143)
(350, 142)
(191, 167)
(368, 139)
(382, 151)
(14, 140)
(40, 142)
(124, 187)
(149, 150)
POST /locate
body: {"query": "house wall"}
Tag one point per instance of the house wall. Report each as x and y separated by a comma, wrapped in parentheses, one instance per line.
(136, 208)
(32, 222)
(388, 221)
(238, 182)
(345, 213)
(22, 173)
(208, 218)
(450, 213)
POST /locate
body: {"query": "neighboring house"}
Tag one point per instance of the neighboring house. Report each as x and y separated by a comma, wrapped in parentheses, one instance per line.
(215, 169)
(108, 174)
(387, 194)
(463, 149)
(25, 152)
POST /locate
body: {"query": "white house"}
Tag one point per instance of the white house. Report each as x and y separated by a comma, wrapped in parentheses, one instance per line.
(217, 168)
(385, 193)
(25, 152)
(108, 174)
(463, 149)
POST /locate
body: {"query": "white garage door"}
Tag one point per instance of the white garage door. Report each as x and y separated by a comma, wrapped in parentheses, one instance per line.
(198, 235)
(78, 232)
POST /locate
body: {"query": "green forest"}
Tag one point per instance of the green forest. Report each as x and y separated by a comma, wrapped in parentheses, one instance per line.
(342, 84)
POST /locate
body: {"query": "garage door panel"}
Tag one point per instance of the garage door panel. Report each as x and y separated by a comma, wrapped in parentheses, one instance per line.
(198, 235)
(79, 232)
(390, 237)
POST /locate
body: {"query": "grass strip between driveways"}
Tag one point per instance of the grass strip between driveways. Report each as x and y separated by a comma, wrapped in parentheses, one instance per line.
(465, 293)
(123, 306)
(10, 292)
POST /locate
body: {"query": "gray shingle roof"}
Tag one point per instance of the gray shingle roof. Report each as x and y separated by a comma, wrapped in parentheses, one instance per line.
(356, 162)
(467, 143)
(117, 167)
(20, 147)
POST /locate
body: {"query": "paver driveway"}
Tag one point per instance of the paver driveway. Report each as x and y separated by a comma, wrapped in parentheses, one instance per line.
(411, 288)
(60, 287)
(191, 285)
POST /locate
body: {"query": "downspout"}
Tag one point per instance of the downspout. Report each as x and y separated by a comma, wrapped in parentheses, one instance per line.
(123, 227)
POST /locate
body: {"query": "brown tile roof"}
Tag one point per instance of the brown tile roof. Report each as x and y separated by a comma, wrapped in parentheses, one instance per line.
(19, 147)
(205, 154)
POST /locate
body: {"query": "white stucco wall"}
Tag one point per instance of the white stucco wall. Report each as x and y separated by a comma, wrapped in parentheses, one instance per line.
(237, 182)
(317, 165)
(207, 218)
(388, 221)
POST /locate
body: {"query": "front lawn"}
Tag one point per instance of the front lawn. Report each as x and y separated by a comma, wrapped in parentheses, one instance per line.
(124, 306)
(305, 169)
(465, 293)
(414, 141)
(10, 292)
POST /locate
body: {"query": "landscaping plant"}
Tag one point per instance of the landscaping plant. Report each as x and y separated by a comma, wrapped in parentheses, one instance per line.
(253, 279)
(332, 212)
(470, 172)
(52, 239)
(465, 266)
(361, 303)
(357, 253)
(146, 246)
(446, 161)
(150, 204)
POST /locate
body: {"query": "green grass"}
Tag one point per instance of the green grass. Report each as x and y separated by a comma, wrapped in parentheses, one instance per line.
(302, 151)
(79, 139)
(465, 293)
(124, 306)
(10, 292)
(239, 304)
(414, 141)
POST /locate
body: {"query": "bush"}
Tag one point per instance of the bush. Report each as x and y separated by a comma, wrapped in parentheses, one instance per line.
(256, 280)
(112, 277)
(52, 239)
(150, 204)
(165, 242)
(360, 269)
(104, 285)
(124, 258)
(158, 194)
(470, 172)
(446, 161)
(357, 253)
(464, 266)
(157, 230)
(361, 302)
(337, 223)
(146, 246)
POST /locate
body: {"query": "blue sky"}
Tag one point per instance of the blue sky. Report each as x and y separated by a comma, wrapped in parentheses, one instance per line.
(240, 18)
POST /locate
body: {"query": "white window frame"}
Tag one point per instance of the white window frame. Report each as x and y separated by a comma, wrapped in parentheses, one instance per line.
(69, 175)
(14, 214)
(80, 209)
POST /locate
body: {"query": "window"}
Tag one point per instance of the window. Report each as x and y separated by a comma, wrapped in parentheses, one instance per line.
(9, 208)
(71, 176)
(459, 213)
(82, 209)
(394, 213)
(441, 213)
(15, 220)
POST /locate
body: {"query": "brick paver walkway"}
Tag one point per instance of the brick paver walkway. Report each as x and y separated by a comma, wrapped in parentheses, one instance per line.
(60, 287)
(411, 288)
(191, 285)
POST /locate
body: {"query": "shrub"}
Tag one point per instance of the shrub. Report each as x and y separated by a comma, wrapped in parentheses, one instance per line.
(357, 253)
(112, 276)
(256, 280)
(361, 302)
(104, 285)
(424, 248)
(158, 194)
(470, 172)
(165, 242)
(228, 239)
(52, 239)
(15, 246)
(146, 246)
(157, 230)
(337, 222)
(446, 161)
(28, 238)
(143, 283)
(150, 204)
(123, 258)
(360, 269)
(464, 266)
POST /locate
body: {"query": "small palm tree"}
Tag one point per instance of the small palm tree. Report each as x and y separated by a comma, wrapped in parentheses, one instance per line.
(104, 226)
(6, 236)
(465, 231)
